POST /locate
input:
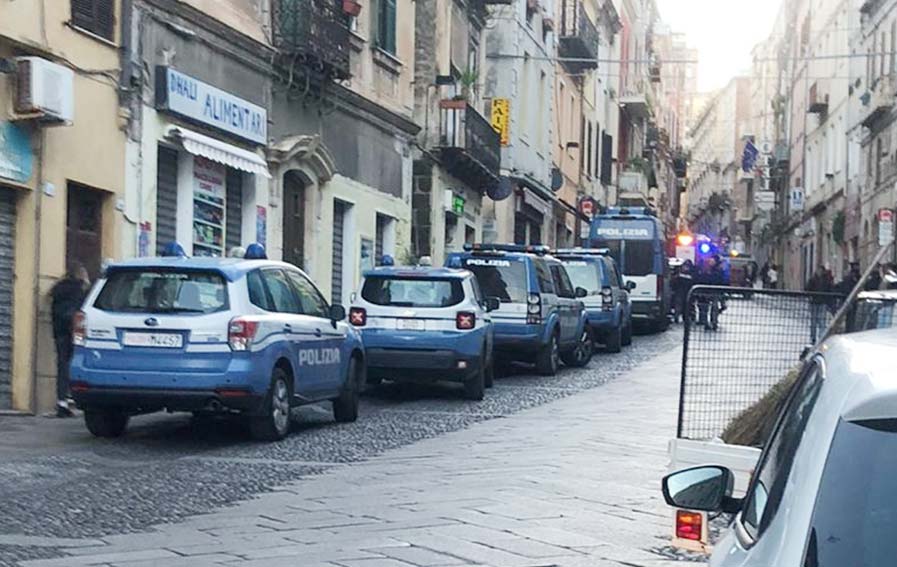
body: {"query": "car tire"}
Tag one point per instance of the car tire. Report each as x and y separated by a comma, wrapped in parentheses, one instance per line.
(582, 352)
(475, 386)
(274, 423)
(106, 423)
(614, 340)
(548, 359)
(627, 334)
(345, 407)
(490, 374)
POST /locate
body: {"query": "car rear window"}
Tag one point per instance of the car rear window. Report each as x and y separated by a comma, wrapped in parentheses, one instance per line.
(586, 275)
(412, 292)
(856, 506)
(162, 291)
(638, 257)
(501, 278)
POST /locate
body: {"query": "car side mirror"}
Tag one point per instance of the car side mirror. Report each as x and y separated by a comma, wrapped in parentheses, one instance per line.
(492, 303)
(705, 489)
(337, 313)
(581, 292)
(630, 285)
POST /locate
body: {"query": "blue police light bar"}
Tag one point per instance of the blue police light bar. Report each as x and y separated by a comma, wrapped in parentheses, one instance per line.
(628, 211)
(526, 248)
(255, 251)
(583, 251)
(173, 250)
(704, 248)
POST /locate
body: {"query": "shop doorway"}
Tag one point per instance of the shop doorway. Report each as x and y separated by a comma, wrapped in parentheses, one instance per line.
(294, 219)
(7, 277)
(84, 226)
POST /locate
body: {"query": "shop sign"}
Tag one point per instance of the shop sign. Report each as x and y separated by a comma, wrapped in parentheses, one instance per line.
(208, 207)
(193, 99)
(15, 153)
(501, 119)
(458, 204)
(796, 202)
(885, 226)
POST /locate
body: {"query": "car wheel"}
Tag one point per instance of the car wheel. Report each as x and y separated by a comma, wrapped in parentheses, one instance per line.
(582, 353)
(627, 334)
(106, 423)
(475, 386)
(490, 374)
(548, 359)
(345, 407)
(274, 423)
(614, 340)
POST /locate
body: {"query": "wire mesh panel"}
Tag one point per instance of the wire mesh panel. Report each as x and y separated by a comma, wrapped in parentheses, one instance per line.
(738, 344)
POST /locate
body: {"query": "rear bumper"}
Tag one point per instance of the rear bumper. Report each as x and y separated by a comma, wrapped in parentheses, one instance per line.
(647, 310)
(602, 321)
(513, 340)
(138, 400)
(394, 354)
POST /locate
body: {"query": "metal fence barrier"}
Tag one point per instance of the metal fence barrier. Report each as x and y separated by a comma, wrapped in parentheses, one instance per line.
(739, 343)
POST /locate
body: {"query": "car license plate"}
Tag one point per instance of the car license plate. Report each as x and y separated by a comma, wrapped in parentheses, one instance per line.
(153, 340)
(410, 325)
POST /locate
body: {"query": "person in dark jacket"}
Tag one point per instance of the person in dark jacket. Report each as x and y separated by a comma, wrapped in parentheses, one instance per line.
(67, 297)
(873, 282)
(819, 282)
(681, 287)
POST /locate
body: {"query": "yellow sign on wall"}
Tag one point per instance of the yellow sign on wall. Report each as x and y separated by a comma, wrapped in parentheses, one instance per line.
(501, 119)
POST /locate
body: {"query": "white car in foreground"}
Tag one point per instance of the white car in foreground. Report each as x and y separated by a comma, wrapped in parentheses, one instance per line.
(824, 493)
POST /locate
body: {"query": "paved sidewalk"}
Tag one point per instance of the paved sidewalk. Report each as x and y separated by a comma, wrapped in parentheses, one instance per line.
(572, 483)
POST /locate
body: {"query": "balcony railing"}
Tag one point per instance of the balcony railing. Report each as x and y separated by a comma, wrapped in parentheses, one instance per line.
(468, 143)
(315, 31)
(578, 37)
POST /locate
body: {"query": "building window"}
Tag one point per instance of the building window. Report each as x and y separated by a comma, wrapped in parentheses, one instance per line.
(95, 16)
(386, 25)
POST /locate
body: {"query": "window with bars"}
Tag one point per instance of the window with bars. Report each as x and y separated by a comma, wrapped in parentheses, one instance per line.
(95, 16)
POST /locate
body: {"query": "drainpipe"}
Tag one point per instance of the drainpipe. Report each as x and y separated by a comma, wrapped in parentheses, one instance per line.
(36, 295)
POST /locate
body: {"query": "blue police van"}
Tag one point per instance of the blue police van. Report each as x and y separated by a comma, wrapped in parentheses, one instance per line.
(540, 318)
(635, 238)
(211, 335)
(607, 304)
(424, 324)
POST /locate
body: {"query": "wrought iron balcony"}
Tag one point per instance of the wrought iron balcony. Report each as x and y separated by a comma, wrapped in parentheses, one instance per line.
(315, 32)
(578, 37)
(469, 145)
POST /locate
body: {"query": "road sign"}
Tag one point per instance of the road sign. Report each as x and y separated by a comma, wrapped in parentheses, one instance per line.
(796, 199)
(765, 200)
(885, 226)
(501, 119)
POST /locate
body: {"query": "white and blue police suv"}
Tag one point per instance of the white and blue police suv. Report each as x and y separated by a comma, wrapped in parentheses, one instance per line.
(212, 335)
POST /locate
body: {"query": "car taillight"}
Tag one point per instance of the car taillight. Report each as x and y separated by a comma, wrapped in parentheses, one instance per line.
(79, 328)
(358, 316)
(533, 309)
(465, 320)
(689, 525)
(240, 333)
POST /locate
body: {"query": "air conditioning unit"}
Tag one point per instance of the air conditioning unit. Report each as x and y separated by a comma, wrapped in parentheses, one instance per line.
(44, 90)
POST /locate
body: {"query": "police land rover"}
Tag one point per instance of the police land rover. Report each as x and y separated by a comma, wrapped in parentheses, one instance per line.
(541, 318)
(211, 335)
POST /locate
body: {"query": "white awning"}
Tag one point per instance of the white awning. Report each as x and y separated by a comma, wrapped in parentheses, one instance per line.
(218, 151)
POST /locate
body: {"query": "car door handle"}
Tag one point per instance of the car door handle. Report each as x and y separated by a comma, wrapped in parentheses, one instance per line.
(287, 328)
(318, 332)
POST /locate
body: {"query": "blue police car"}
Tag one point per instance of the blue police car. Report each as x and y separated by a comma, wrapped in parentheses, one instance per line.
(211, 335)
(541, 318)
(607, 304)
(425, 324)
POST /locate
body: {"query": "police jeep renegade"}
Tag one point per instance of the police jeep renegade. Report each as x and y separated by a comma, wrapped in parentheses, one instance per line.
(211, 335)
(425, 324)
(540, 318)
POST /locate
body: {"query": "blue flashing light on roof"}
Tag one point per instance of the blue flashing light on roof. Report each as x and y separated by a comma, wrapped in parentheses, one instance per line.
(454, 262)
(174, 250)
(629, 211)
(387, 260)
(255, 251)
(525, 248)
(704, 248)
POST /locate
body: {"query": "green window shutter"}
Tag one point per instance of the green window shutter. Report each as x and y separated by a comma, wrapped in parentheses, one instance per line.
(389, 29)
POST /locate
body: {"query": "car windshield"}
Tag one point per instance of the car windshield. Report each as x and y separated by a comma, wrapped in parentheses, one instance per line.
(501, 278)
(163, 291)
(412, 292)
(585, 275)
(856, 507)
(873, 314)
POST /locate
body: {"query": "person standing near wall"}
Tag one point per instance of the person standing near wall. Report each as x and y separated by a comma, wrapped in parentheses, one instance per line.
(67, 297)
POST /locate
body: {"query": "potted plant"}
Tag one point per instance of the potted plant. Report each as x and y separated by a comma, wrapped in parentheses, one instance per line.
(468, 81)
(352, 7)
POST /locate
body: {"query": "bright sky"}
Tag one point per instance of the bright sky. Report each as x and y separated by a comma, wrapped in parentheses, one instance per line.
(723, 31)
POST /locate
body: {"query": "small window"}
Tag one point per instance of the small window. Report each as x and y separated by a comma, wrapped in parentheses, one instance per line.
(562, 281)
(543, 274)
(501, 278)
(586, 275)
(309, 297)
(258, 295)
(95, 16)
(283, 297)
(412, 292)
(767, 489)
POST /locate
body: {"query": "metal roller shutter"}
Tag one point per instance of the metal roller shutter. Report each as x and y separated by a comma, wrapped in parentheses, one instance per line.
(233, 231)
(7, 270)
(336, 294)
(166, 198)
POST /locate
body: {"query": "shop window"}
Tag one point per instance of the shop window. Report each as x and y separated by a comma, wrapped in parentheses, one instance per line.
(95, 16)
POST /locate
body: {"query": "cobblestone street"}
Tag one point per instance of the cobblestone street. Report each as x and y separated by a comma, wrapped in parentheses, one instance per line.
(423, 478)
